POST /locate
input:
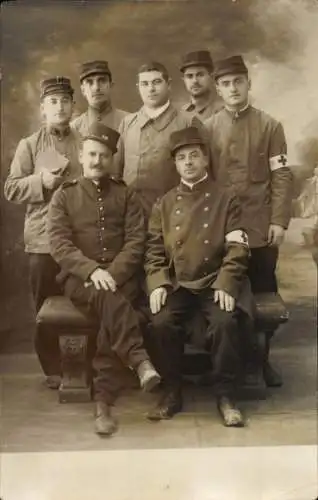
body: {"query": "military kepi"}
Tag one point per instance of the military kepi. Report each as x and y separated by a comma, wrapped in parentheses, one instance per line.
(230, 65)
(105, 135)
(185, 137)
(94, 68)
(56, 85)
(197, 58)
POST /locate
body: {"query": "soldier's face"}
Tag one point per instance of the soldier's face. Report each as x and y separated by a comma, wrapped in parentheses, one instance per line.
(57, 109)
(233, 89)
(96, 159)
(96, 89)
(197, 80)
(154, 90)
(191, 163)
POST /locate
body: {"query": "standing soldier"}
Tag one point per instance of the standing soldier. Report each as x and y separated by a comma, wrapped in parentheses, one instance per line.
(197, 70)
(249, 153)
(144, 157)
(96, 84)
(40, 164)
(97, 235)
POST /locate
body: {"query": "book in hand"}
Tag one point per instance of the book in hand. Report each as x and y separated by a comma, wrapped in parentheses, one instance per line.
(52, 161)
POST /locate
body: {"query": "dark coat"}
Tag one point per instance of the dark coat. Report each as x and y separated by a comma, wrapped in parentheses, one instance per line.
(196, 240)
(91, 226)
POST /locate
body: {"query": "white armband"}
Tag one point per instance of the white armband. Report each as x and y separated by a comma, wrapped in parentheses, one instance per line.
(278, 161)
(237, 236)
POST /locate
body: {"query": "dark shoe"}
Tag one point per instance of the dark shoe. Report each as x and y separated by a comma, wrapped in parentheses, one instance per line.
(148, 376)
(105, 424)
(271, 376)
(169, 404)
(231, 415)
(53, 381)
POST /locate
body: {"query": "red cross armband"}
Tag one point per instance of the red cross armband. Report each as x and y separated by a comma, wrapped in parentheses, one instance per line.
(278, 161)
(237, 236)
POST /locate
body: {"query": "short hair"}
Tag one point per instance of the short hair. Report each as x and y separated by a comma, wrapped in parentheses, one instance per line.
(154, 66)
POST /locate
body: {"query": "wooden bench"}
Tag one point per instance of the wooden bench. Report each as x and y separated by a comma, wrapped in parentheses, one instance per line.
(77, 339)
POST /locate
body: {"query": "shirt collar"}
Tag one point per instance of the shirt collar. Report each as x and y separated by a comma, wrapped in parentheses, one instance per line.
(154, 113)
(191, 185)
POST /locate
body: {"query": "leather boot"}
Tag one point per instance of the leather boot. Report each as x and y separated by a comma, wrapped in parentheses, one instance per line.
(169, 404)
(148, 376)
(53, 381)
(231, 415)
(104, 422)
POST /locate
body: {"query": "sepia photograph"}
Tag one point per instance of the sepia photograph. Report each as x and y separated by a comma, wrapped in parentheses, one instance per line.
(158, 250)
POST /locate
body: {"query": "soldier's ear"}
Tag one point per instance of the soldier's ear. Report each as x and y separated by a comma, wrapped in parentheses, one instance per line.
(217, 88)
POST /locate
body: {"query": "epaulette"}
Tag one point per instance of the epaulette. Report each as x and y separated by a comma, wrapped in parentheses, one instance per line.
(67, 184)
(118, 180)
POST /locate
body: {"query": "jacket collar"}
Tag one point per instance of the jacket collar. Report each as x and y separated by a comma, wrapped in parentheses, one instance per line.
(237, 114)
(97, 115)
(93, 188)
(199, 186)
(57, 132)
(159, 123)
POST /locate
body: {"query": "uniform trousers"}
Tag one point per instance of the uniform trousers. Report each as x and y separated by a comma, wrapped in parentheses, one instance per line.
(43, 271)
(261, 269)
(222, 338)
(119, 341)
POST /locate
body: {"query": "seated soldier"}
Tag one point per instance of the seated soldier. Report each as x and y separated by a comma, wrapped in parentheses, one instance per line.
(97, 236)
(196, 260)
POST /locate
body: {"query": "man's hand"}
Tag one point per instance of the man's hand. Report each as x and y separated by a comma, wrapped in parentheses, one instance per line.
(158, 299)
(103, 280)
(275, 234)
(225, 300)
(51, 181)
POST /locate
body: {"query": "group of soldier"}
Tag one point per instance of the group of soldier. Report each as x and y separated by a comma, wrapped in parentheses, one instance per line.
(184, 206)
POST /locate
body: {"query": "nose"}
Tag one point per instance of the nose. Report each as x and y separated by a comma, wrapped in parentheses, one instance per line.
(96, 86)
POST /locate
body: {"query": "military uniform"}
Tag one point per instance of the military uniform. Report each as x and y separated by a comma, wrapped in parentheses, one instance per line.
(107, 114)
(200, 58)
(144, 157)
(196, 244)
(57, 152)
(101, 226)
(205, 111)
(249, 153)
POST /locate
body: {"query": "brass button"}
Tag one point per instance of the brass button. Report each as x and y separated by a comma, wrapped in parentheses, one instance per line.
(178, 211)
(207, 195)
(179, 197)
(206, 209)
(177, 228)
(206, 259)
(205, 225)
(206, 242)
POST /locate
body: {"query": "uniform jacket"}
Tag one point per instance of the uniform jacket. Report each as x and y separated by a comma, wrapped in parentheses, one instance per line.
(93, 226)
(203, 112)
(144, 157)
(45, 149)
(249, 153)
(196, 240)
(111, 117)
